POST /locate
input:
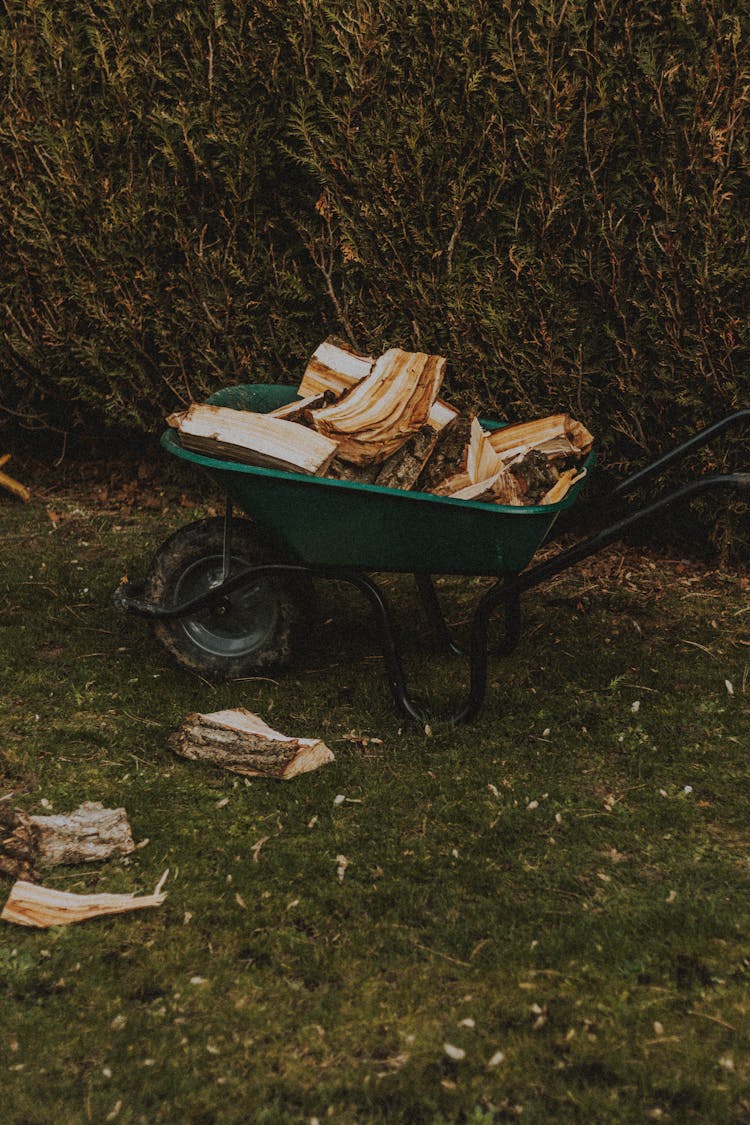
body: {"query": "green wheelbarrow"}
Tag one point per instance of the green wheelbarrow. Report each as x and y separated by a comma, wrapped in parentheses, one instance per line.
(228, 596)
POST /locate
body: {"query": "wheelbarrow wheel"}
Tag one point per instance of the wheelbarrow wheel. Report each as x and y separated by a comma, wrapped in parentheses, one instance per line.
(254, 630)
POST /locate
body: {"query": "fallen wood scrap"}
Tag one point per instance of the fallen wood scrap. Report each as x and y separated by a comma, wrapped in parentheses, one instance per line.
(253, 439)
(12, 485)
(372, 420)
(89, 834)
(240, 741)
(32, 905)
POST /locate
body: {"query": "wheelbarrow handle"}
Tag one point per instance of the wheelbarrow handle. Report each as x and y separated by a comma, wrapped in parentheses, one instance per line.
(697, 441)
(586, 547)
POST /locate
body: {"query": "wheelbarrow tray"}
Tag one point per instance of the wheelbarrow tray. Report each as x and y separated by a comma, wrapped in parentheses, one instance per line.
(330, 523)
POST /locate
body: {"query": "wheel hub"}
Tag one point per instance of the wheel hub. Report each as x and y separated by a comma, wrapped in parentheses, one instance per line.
(241, 623)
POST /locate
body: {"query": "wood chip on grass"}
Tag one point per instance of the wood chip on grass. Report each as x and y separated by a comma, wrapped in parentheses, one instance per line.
(32, 905)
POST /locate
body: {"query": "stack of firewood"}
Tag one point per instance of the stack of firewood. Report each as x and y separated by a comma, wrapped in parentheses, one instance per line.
(380, 421)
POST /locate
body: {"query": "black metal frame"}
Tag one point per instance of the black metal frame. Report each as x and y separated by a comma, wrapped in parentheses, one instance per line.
(505, 593)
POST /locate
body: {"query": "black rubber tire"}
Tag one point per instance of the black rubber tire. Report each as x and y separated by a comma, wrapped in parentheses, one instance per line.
(256, 631)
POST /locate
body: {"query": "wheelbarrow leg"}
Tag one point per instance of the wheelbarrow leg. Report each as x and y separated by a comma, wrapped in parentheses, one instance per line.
(391, 654)
(433, 612)
(502, 592)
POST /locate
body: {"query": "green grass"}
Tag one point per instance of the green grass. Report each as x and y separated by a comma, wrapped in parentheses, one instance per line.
(570, 872)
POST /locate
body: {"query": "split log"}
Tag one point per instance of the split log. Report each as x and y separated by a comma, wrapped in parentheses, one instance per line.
(253, 439)
(336, 367)
(90, 834)
(241, 742)
(535, 475)
(482, 461)
(451, 485)
(31, 905)
(508, 490)
(477, 490)
(372, 420)
(359, 474)
(509, 440)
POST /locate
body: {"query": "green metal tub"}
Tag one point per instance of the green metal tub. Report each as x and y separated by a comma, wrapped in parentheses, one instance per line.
(328, 523)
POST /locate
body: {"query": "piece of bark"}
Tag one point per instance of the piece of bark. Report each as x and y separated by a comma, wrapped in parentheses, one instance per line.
(253, 439)
(372, 420)
(403, 467)
(31, 905)
(240, 741)
(18, 843)
(89, 834)
(447, 457)
(344, 470)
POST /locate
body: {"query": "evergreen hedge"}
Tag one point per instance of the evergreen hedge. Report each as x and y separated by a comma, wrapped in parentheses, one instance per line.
(552, 193)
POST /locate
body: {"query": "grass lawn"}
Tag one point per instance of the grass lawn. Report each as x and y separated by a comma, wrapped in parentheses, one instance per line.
(542, 917)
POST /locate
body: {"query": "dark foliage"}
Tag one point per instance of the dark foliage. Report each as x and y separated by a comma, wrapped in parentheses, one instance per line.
(553, 194)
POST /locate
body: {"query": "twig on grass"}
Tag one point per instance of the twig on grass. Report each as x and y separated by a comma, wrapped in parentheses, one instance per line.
(712, 1019)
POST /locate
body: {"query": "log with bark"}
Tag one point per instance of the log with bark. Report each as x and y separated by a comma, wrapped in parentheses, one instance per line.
(402, 469)
(89, 834)
(32, 905)
(448, 454)
(240, 741)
